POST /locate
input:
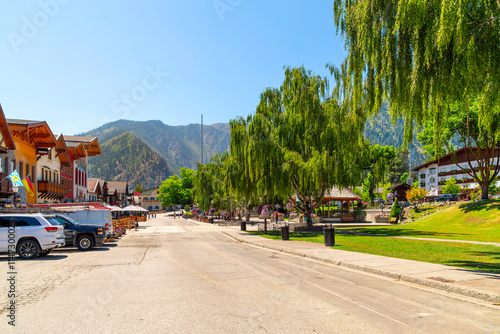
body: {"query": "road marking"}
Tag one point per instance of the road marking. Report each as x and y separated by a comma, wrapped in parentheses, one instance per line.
(350, 300)
(161, 229)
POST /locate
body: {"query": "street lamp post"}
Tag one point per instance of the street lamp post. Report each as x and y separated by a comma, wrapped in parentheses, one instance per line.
(15, 190)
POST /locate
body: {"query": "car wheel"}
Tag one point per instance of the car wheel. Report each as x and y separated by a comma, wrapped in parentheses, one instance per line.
(85, 242)
(45, 252)
(28, 249)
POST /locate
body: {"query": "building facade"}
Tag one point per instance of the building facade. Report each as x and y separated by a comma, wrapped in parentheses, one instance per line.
(149, 200)
(434, 174)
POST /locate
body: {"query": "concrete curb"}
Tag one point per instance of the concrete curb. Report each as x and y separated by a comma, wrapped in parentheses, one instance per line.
(420, 281)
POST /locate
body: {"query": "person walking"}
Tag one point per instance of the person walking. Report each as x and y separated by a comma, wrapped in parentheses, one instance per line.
(276, 215)
(136, 224)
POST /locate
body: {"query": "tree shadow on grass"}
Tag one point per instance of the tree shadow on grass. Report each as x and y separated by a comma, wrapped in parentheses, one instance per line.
(486, 205)
(486, 268)
(380, 231)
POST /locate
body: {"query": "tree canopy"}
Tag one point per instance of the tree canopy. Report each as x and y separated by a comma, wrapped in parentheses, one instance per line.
(421, 56)
(302, 141)
(175, 190)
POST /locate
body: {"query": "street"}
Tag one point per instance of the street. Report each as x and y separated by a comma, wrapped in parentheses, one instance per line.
(176, 276)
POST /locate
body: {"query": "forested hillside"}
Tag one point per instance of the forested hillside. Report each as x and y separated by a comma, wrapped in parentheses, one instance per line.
(126, 158)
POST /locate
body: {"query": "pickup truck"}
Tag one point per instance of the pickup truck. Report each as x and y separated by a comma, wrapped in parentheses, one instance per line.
(85, 237)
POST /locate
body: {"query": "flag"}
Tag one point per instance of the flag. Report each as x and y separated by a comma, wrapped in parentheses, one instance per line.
(29, 186)
(15, 179)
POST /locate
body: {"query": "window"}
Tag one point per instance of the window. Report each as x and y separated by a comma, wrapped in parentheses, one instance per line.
(32, 172)
(442, 170)
(432, 171)
(433, 180)
(3, 165)
(453, 168)
(442, 179)
(26, 221)
(21, 169)
(13, 165)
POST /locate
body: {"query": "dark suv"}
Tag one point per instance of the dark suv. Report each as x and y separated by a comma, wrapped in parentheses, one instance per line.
(85, 237)
(445, 198)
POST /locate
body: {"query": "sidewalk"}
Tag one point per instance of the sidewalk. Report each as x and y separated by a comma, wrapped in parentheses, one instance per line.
(476, 284)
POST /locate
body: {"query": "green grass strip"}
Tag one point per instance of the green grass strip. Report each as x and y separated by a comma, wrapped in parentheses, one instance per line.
(463, 255)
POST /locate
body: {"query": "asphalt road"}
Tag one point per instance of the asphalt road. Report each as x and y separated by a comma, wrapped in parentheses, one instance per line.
(174, 276)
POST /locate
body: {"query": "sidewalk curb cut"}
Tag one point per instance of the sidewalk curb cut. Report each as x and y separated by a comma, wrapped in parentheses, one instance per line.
(420, 281)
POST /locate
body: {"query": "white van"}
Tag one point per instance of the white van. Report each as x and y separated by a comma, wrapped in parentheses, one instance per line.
(94, 217)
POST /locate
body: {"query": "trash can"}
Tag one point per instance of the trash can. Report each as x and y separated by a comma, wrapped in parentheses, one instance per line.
(285, 233)
(329, 236)
(243, 226)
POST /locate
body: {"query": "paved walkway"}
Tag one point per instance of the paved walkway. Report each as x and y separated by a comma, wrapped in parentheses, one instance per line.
(476, 284)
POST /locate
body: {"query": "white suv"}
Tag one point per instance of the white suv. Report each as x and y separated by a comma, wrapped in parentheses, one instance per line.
(30, 235)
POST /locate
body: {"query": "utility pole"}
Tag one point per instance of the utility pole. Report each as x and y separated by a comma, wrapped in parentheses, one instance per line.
(201, 138)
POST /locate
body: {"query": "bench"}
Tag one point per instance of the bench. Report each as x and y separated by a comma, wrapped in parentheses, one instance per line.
(393, 220)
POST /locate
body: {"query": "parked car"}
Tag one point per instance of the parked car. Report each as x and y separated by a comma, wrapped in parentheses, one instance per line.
(446, 197)
(96, 218)
(85, 237)
(33, 236)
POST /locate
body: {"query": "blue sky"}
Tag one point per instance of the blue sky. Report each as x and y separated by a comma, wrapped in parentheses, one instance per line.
(78, 64)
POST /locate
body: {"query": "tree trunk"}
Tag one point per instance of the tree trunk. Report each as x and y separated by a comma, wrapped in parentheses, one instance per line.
(308, 217)
(484, 191)
(247, 215)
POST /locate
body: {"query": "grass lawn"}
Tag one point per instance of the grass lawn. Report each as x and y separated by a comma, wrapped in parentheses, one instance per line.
(475, 221)
(470, 256)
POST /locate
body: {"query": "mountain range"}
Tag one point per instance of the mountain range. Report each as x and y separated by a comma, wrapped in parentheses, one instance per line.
(148, 152)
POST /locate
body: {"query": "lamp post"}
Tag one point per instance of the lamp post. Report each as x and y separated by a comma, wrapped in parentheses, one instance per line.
(15, 190)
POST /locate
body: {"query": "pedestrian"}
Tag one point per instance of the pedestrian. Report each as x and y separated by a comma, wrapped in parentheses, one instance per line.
(136, 224)
(174, 214)
(276, 215)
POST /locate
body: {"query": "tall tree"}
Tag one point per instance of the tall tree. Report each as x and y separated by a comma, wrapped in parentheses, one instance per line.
(175, 190)
(398, 166)
(303, 141)
(423, 56)
(210, 183)
(241, 179)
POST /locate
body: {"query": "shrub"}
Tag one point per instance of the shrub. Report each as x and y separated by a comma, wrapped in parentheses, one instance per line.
(396, 209)
(187, 208)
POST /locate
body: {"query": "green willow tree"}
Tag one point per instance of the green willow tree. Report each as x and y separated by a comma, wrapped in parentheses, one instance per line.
(421, 56)
(241, 179)
(303, 142)
(210, 183)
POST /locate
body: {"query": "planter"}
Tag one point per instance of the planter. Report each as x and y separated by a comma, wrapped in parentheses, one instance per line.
(347, 219)
(381, 220)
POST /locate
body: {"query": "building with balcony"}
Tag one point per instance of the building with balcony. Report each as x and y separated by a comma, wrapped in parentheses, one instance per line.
(33, 140)
(80, 148)
(52, 169)
(7, 147)
(433, 175)
(118, 193)
(149, 199)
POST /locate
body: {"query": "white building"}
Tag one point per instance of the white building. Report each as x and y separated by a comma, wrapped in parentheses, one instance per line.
(434, 174)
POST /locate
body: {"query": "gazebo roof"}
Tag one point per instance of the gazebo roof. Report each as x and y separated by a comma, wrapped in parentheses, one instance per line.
(336, 194)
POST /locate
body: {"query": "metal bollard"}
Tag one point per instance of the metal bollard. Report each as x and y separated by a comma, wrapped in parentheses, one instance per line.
(243, 226)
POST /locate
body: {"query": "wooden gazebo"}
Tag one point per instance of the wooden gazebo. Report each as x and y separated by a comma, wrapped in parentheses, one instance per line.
(344, 195)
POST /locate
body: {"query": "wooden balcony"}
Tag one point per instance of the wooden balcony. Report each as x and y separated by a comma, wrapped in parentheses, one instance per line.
(51, 190)
(5, 186)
